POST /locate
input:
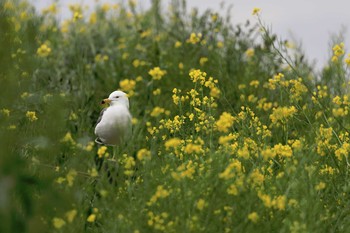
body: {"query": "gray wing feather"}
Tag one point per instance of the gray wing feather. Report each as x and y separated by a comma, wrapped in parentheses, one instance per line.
(98, 140)
(100, 117)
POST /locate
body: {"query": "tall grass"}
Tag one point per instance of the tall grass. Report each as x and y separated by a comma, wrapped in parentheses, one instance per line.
(231, 133)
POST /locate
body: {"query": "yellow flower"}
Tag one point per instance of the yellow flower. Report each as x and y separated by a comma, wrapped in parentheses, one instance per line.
(77, 15)
(280, 202)
(106, 7)
(203, 60)
(31, 115)
(93, 172)
(193, 148)
(5, 112)
(50, 9)
(320, 186)
(161, 193)
(128, 85)
(70, 215)
(347, 60)
(102, 152)
(254, 217)
(256, 177)
(71, 176)
(220, 44)
(225, 122)
(146, 33)
(43, 51)
(93, 18)
(201, 204)
(283, 150)
(157, 73)
(249, 52)
(157, 111)
(254, 83)
(256, 11)
(58, 223)
(234, 167)
(143, 154)
(99, 58)
(157, 91)
(68, 139)
(91, 218)
(173, 142)
(194, 38)
(178, 44)
(282, 114)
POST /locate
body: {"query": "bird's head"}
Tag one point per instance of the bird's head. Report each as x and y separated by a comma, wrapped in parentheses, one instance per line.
(117, 97)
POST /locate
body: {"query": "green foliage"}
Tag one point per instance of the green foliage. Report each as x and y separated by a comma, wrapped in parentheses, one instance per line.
(230, 133)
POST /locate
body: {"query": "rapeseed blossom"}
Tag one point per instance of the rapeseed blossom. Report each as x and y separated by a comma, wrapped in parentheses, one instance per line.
(31, 116)
(58, 223)
(143, 154)
(5, 112)
(254, 217)
(256, 11)
(102, 151)
(161, 193)
(128, 86)
(282, 114)
(70, 215)
(44, 50)
(225, 122)
(157, 73)
(172, 143)
(194, 38)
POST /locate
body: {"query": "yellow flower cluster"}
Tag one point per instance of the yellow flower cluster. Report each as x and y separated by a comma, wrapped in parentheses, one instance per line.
(158, 221)
(143, 154)
(52, 9)
(194, 38)
(157, 111)
(161, 193)
(297, 89)
(173, 125)
(102, 151)
(43, 51)
(277, 79)
(282, 114)
(256, 11)
(323, 140)
(225, 122)
(234, 167)
(93, 216)
(254, 217)
(68, 139)
(5, 112)
(128, 86)
(342, 106)
(129, 164)
(99, 58)
(249, 53)
(278, 202)
(338, 51)
(157, 73)
(184, 171)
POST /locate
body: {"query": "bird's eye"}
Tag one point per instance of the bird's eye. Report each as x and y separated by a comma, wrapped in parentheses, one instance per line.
(117, 97)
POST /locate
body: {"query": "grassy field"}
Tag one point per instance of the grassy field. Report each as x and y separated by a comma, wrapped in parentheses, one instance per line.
(233, 130)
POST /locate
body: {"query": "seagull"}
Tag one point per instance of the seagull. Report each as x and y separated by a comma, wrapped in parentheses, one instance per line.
(114, 123)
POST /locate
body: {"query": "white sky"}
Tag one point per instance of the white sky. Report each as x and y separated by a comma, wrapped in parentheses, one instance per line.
(311, 22)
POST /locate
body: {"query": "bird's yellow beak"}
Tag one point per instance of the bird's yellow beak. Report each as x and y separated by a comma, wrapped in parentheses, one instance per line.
(105, 101)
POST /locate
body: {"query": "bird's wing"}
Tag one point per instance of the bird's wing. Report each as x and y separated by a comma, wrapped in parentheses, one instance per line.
(101, 114)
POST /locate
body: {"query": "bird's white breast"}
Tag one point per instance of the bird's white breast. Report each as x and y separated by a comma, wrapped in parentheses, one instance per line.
(115, 125)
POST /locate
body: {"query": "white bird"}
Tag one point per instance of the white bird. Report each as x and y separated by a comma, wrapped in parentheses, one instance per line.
(114, 124)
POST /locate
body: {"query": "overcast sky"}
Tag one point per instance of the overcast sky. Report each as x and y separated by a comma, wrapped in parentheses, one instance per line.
(311, 22)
